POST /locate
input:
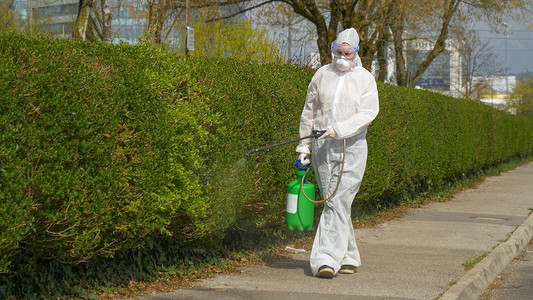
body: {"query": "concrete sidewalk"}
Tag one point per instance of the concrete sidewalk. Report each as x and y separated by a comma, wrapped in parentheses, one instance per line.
(419, 256)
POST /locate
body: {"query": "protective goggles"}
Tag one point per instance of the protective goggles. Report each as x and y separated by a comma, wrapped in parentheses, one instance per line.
(344, 50)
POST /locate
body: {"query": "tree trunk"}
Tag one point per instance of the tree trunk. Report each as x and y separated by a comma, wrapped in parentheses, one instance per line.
(323, 45)
(156, 19)
(81, 26)
(151, 29)
(161, 17)
(382, 61)
(397, 32)
(106, 24)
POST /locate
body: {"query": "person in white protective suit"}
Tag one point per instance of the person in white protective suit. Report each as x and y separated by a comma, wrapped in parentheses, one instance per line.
(342, 99)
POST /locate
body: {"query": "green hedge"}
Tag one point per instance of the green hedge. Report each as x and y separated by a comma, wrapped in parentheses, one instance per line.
(421, 140)
(102, 146)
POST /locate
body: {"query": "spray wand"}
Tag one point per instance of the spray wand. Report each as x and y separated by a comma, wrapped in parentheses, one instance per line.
(316, 134)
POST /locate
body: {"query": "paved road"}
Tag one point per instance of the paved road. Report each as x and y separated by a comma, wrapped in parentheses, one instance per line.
(419, 256)
(516, 281)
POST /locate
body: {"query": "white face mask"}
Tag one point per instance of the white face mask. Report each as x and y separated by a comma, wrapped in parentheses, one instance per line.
(343, 64)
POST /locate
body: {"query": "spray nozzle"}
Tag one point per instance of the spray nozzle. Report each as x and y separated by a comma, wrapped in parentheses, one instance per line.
(247, 155)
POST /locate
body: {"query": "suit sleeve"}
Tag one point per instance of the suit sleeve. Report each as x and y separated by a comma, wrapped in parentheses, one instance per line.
(307, 118)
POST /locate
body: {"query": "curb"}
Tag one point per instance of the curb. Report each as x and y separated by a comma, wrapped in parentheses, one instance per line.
(475, 281)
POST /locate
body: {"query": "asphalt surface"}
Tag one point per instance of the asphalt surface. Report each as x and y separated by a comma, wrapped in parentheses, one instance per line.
(419, 256)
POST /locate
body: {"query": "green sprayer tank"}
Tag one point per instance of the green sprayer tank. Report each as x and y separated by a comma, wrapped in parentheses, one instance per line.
(300, 211)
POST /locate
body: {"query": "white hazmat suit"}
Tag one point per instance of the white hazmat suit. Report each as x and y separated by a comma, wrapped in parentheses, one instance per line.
(343, 103)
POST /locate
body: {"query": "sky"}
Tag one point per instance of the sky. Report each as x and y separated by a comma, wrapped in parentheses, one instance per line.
(519, 46)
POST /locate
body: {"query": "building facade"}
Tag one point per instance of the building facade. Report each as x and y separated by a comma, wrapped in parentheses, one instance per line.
(57, 17)
(498, 92)
(443, 75)
(21, 9)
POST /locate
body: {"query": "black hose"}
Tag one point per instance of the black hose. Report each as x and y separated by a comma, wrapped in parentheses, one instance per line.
(316, 134)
